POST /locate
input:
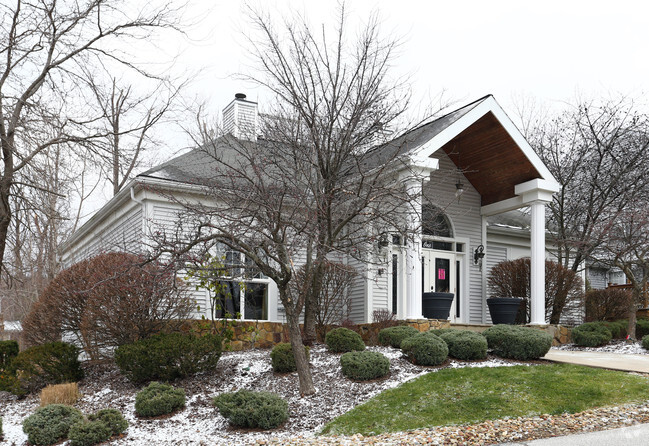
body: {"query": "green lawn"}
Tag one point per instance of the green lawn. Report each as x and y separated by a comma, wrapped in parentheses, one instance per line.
(471, 395)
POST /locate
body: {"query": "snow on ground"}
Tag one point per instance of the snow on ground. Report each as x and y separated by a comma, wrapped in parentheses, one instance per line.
(616, 346)
(200, 423)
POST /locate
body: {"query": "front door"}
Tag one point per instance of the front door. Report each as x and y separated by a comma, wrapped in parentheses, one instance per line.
(440, 275)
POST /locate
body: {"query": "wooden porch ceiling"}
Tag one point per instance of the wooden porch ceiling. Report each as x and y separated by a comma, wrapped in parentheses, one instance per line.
(490, 159)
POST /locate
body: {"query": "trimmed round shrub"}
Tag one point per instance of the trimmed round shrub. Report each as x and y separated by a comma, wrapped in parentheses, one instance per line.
(112, 418)
(515, 342)
(394, 335)
(465, 345)
(425, 349)
(591, 334)
(88, 433)
(341, 340)
(51, 424)
(244, 408)
(168, 356)
(52, 363)
(617, 328)
(645, 342)
(641, 328)
(363, 366)
(158, 399)
(282, 359)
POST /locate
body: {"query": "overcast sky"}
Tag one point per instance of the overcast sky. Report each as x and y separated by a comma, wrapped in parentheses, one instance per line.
(548, 50)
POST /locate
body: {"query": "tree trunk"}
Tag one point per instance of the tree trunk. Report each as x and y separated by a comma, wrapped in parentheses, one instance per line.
(630, 330)
(558, 305)
(5, 215)
(303, 370)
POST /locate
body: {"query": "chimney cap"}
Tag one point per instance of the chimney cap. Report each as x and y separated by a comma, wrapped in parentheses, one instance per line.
(240, 96)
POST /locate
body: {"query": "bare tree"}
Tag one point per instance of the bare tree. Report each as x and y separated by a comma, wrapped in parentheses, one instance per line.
(43, 45)
(311, 188)
(598, 153)
(126, 118)
(627, 247)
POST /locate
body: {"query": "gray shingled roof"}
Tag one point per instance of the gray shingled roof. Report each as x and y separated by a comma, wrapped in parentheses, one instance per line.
(197, 165)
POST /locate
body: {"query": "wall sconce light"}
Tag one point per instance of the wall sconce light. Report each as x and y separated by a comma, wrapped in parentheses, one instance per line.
(383, 241)
(478, 254)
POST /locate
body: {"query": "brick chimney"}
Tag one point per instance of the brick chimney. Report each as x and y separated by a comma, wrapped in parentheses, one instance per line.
(240, 118)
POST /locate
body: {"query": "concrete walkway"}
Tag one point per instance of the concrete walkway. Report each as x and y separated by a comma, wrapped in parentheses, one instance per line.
(637, 435)
(613, 361)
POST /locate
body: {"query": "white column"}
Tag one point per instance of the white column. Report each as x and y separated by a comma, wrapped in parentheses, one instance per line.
(537, 279)
(413, 253)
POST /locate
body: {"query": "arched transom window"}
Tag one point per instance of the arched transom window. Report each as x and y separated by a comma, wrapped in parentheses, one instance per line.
(435, 222)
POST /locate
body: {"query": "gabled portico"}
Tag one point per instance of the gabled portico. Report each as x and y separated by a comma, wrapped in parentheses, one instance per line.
(490, 154)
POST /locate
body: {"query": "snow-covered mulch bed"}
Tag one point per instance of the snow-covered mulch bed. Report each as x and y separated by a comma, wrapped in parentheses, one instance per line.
(615, 346)
(200, 423)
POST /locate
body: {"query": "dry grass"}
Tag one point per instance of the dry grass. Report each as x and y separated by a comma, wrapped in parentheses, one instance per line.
(67, 393)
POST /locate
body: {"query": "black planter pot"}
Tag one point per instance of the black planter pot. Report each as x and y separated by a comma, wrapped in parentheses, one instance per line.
(436, 305)
(503, 310)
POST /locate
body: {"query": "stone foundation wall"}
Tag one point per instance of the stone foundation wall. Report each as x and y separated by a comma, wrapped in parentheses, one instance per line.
(250, 334)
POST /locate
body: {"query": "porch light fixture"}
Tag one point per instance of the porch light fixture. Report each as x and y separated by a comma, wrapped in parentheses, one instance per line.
(459, 185)
(383, 241)
(478, 254)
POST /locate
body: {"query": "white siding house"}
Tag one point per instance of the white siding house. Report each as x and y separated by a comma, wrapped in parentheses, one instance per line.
(473, 165)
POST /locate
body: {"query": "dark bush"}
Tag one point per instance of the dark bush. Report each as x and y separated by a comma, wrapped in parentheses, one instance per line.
(340, 340)
(53, 363)
(244, 408)
(511, 278)
(591, 334)
(109, 300)
(112, 418)
(394, 335)
(158, 399)
(167, 357)
(617, 328)
(645, 342)
(522, 343)
(363, 366)
(425, 349)
(88, 433)
(609, 304)
(282, 358)
(8, 351)
(641, 328)
(51, 424)
(465, 344)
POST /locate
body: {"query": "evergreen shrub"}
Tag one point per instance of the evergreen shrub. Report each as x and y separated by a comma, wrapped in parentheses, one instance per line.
(8, 351)
(168, 356)
(88, 433)
(158, 399)
(38, 366)
(515, 342)
(112, 418)
(341, 340)
(282, 359)
(641, 328)
(393, 336)
(363, 366)
(425, 349)
(51, 424)
(645, 342)
(465, 345)
(591, 334)
(249, 409)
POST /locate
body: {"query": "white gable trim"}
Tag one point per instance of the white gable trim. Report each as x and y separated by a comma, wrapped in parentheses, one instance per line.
(489, 104)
